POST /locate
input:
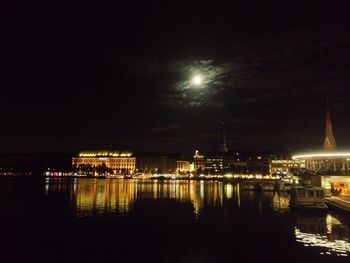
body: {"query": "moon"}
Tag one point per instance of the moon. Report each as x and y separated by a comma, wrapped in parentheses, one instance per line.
(197, 80)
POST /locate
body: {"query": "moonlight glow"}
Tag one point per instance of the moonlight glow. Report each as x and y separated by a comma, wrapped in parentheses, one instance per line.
(197, 80)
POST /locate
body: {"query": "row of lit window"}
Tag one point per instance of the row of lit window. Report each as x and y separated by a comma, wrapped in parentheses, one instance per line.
(99, 161)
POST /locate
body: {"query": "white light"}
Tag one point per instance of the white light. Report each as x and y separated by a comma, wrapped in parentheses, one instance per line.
(197, 80)
(329, 154)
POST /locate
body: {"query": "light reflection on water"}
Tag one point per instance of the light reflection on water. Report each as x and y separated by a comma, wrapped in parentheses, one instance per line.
(117, 196)
(94, 197)
(326, 233)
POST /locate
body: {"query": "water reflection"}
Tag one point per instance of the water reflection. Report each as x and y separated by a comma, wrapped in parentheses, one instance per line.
(326, 233)
(99, 197)
(126, 220)
(118, 196)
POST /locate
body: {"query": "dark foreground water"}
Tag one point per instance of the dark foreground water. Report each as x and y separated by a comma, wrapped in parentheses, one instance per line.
(90, 220)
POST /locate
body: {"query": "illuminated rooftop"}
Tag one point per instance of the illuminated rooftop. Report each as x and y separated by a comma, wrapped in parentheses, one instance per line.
(321, 155)
(105, 154)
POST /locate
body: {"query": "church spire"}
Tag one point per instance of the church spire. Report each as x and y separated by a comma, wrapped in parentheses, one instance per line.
(223, 145)
(329, 141)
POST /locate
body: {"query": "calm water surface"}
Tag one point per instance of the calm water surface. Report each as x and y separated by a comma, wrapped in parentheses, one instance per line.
(102, 220)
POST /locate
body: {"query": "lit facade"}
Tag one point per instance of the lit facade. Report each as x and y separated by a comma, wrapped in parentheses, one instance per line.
(333, 163)
(214, 164)
(183, 166)
(106, 162)
(329, 161)
(198, 161)
(331, 166)
(285, 167)
(339, 185)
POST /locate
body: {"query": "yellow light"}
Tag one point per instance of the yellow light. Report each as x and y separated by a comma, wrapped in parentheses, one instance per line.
(322, 154)
(105, 153)
(197, 80)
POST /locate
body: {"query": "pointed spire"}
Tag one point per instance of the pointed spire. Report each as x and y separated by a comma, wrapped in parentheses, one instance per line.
(329, 141)
(223, 145)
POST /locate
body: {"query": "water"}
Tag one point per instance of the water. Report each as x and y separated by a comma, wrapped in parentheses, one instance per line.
(101, 220)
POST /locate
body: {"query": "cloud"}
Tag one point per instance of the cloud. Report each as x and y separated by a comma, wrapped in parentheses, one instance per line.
(254, 71)
(184, 93)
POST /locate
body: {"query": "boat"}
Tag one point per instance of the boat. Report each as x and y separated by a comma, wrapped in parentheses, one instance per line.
(308, 198)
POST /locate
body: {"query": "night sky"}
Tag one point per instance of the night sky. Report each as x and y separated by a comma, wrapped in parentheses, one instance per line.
(78, 75)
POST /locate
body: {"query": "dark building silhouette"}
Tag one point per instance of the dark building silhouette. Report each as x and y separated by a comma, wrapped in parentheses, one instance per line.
(156, 164)
(223, 145)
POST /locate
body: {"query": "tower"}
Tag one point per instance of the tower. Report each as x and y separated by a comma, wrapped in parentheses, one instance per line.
(329, 141)
(223, 145)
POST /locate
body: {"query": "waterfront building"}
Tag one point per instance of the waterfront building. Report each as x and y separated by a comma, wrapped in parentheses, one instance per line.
(332, 167)
(336, 184)
(258, 164)
(218, 163)
(328, 161)
(198, 161)
(183, 166)
(104, 162)
(285, 167)
(214, 163)
(335, 163)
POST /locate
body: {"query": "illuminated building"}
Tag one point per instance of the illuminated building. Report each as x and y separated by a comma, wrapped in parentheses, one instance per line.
(217, 163)
(326, 162)
(329, 161)
(105, 162)
(222, 161)
(332, 165)
(336, 184)
(183, 166)
(214, 163)
(333, 168)
(285, 167)
(198, 161)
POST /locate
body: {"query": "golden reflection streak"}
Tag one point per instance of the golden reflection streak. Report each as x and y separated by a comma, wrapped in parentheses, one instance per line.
(100, 196)
(110, 195)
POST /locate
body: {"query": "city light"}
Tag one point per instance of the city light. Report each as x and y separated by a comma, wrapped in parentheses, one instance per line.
(105, 153)
(329, 246)
(321, 154)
